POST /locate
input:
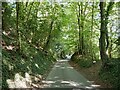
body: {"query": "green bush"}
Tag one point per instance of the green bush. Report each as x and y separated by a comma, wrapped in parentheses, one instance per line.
(29, 60)
(85, 63)
(112, 75)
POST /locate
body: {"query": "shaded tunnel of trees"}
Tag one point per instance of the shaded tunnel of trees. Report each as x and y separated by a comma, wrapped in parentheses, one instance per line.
(36, 34)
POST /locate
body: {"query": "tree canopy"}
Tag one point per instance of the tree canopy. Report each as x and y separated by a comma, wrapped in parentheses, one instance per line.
(44, 31)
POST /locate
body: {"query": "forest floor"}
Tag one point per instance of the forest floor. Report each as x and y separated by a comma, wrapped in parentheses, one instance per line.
(92, 74)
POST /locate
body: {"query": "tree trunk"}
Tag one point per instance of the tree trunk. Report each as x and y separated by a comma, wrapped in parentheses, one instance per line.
(92, 55)
(82, 26)
(17, 27)
(102, 40)
(49, 36)
(110, 49)
(109, 8)
(78, 16)
(110, 44)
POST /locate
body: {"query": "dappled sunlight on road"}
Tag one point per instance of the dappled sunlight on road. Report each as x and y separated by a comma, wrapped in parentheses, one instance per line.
(57, 66)
(93, 85)
(48, 82)
(67, 84)
(63, 75)
(62, 60)
(70, 67)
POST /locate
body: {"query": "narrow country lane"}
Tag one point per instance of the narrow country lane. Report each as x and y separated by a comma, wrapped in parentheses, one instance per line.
(64, 76)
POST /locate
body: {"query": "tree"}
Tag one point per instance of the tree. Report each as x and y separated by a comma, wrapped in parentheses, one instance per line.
(17, 26)
(103, 41)
(92, 23)
(49, 35)
(79, 27)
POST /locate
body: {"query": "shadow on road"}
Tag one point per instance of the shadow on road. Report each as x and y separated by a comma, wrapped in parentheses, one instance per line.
(63, 75)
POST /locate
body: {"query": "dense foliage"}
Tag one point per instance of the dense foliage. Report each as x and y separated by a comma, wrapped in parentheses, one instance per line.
(34, 33)
(22, 42)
